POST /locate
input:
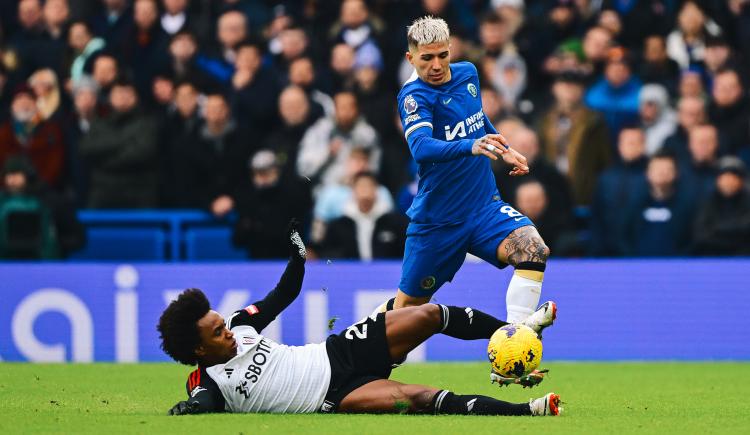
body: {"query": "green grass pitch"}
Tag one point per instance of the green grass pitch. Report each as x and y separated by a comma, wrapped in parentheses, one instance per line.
(598, 398)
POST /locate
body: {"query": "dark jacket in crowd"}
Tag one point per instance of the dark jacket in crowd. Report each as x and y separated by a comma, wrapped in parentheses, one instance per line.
(655, 228)
(215, 165)
(264, 213)
(555, 184)
(733, 123)
(120, 151)
(615, 190)
(388, 238)
(723, 225)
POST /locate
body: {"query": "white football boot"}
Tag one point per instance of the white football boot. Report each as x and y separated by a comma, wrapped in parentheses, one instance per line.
(543, 317)
(547, 405)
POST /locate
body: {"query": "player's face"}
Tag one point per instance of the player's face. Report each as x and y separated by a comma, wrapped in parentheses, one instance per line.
(217, 342)
(432, 62)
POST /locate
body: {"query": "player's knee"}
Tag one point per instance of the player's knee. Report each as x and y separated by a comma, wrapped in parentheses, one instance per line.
(414, 398)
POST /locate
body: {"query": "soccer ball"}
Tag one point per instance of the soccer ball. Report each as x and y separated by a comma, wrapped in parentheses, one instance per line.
(514, 351)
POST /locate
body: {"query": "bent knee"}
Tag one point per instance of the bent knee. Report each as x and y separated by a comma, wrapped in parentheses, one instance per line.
(418, 397)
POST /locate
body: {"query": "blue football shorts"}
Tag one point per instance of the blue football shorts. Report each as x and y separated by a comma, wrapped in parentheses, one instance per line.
(435, 252)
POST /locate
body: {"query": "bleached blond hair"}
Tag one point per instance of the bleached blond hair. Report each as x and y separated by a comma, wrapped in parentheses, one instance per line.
(427, 30)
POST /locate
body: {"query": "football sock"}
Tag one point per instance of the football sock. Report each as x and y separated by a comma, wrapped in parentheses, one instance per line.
(524, 290)
(385, 306)
(467, 323)
(446, 402)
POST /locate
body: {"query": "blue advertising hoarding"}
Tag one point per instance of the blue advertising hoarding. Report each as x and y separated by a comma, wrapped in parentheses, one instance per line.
(609, 309)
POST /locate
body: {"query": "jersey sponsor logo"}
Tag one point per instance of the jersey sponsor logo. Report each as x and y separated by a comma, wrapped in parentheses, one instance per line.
(196, 390)
(472, 89)
(259, 359)
(412, 118)
(252, 309)
(229, 372)
(469, 125)
(446, 102)
(410, 105)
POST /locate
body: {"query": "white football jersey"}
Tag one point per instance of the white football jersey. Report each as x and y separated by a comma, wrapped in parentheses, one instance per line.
(266, 376)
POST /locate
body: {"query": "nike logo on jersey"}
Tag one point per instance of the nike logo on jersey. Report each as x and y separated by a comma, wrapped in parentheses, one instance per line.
(447, 101)
(518, 219)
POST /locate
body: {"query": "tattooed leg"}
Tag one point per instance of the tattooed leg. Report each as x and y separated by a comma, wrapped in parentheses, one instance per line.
(525, 250)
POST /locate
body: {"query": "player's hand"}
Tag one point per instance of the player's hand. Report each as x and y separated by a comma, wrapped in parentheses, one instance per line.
(296, 245)
(520, 165)
(491, 146)
(184, 407)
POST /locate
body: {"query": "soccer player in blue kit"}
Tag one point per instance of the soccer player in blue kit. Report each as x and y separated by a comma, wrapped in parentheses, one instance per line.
(458, 208)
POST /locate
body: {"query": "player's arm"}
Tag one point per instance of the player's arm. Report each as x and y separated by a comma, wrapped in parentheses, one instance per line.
(261, 313)
(203, 396)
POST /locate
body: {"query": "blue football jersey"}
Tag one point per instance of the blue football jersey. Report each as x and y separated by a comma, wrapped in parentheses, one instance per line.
(440, 124)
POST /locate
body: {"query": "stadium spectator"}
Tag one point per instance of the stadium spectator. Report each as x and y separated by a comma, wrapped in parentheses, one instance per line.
(332, 198)
(691, 112)
(615, 190)
(356, 27)
(369, 229)
(596, 45)
(730, 110)
(574, 138)
(216, 158)
(184, 64)
(105, 72)
(26, 133)
(659, 222)
(691, 85)
(342, 67)
(296, 118)
(266, 204)
(120, 150)
(637, 19)
(35, 223)
(327, 143)
(180, 125)
(718, 55)
(616, 94)
(658, 120)
(176, 18)
(145, 47)
(86, 108)
(501, 64)
(699, 172)
(557, 189)
(85, 47)
(302, 73)
(255, 90)
(29, 43)
(686, 44)
(55, 14)
(114, 22)
(48, 96)
(554, 225)
(656, 66)
(723, 223)
(293, 44)
(231, 32)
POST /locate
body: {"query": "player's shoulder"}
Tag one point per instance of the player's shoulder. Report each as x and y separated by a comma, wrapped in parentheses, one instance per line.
(463, 69)
(415, 87)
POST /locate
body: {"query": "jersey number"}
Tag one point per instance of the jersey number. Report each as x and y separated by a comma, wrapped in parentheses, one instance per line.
(510, 211)
(360, 330)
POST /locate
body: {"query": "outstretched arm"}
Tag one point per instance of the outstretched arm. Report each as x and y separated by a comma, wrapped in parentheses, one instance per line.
(203, 395)
(263, 312)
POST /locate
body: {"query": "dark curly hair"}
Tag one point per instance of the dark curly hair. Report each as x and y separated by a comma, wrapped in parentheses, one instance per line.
(178, 325)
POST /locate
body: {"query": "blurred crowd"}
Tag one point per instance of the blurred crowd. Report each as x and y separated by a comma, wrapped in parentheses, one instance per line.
(633, 114)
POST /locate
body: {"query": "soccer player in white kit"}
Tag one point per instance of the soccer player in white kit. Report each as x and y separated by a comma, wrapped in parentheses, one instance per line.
(240, 370)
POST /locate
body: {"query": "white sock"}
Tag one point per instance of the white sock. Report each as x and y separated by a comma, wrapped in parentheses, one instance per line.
(523, 295)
